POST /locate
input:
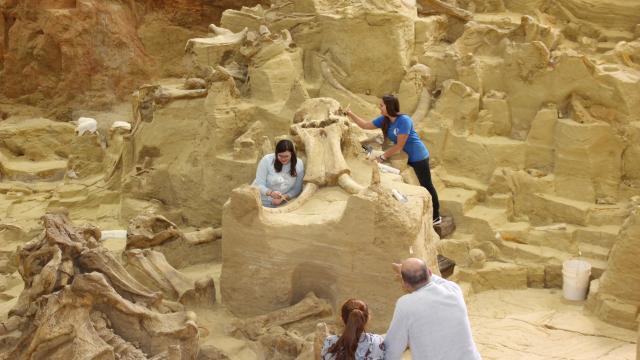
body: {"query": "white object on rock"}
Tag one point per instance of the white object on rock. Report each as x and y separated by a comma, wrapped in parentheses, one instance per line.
(399, 196)
(85, 124)
(575, 279)
(121, 125)
(409, 3)
(388, 169)
(113, 234)
(559, 226)
(72, 174)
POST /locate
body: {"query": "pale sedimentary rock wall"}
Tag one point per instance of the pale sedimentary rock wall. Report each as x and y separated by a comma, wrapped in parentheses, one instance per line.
(615, 297)
(620, 14)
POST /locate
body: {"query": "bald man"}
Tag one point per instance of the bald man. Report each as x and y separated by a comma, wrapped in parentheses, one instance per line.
(431, 319)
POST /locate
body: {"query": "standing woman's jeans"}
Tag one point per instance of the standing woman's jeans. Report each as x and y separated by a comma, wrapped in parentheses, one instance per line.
(424, 176)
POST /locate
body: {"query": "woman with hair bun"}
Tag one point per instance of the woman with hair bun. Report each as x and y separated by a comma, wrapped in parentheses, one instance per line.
(354, 343)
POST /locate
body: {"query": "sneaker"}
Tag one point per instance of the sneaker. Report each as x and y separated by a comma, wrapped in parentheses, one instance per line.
(437, 221)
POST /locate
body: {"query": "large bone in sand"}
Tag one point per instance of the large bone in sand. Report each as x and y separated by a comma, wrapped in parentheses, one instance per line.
(326, 165)
(79, 302)
(322, 145)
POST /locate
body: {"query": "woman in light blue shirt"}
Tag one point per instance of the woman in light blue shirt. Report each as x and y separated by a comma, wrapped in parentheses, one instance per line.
(279, 175)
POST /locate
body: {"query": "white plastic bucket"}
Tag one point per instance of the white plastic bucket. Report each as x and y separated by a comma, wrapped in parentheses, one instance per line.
(575, 279)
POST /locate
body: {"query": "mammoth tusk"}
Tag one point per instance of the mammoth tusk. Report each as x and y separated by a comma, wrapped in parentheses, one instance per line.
(349, 185)
(328, 75)
(423, 107)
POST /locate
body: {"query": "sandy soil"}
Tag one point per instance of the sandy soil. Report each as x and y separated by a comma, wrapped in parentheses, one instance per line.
(507, 324)
(540, 324)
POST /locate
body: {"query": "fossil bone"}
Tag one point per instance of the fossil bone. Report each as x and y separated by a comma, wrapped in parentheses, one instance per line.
(77, 303)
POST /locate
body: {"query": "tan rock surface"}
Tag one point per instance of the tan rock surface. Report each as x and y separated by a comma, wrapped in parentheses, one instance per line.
(537, 324)
(53, 44)
(529, 110)
(94, 53)
(616, 299)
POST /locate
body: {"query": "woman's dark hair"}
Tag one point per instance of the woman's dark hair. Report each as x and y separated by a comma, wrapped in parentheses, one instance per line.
(355, 315)
(393, 109)
(283, 146)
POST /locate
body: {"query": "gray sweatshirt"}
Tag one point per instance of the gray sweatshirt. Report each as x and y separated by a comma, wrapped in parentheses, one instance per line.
(268, 179)
(432, 321)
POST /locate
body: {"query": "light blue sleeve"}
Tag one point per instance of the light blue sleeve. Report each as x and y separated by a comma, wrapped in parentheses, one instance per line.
(328, 343)
(261, 175)
(297, 186)
(378, 350)
(397, 338)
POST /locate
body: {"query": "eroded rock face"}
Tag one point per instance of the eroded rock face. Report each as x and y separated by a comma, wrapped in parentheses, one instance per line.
(78, 299)
(72, 49)
(616, 297)
(91, 52)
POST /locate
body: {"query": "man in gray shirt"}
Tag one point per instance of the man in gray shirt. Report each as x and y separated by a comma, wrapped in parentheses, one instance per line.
(431, 319)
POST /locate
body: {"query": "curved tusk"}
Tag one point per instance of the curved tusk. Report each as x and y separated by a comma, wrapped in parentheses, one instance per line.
(423, 107)
(349, 185)
(328, 75)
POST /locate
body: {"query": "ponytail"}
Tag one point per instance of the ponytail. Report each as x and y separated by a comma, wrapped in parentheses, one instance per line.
(355, 316)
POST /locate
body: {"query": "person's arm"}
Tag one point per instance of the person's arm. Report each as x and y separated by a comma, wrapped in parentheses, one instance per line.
(378, 351)
(402, 139)
(297, 186)
(261, 176)
(328, 342)
(397, 338)
(363, 124)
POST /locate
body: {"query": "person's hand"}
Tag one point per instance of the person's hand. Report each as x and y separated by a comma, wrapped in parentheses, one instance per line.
(396, 267)
(380, 159)
(275, 195)
(277, 201)
(347, 111)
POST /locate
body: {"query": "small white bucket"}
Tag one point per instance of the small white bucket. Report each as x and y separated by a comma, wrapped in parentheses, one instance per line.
(575, 279)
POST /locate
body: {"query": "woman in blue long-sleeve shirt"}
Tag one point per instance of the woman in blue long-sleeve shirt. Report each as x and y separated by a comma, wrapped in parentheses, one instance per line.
(279, 175)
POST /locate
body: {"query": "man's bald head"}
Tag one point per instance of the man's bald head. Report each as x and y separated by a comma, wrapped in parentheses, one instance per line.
(414, 272)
